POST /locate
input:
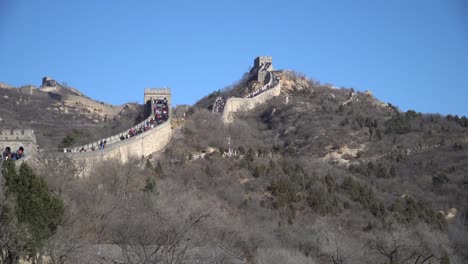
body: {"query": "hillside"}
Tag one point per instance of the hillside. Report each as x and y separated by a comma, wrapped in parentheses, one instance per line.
(318, 158)
(318, 174)
(63, 111)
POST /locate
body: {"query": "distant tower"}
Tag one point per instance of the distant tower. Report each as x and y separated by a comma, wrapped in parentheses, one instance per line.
(159, 94)
(48, 82)
(262, 65)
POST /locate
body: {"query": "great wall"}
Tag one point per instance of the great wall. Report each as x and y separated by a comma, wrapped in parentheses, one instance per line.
(263, 70)
(155, 139)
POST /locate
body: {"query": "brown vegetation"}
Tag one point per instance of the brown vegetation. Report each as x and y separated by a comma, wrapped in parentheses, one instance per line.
(259, 191)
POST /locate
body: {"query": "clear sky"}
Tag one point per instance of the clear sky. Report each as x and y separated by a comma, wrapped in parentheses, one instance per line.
(411, 53)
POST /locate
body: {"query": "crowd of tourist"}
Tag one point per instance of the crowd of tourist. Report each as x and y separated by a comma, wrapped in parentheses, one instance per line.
(9, 155)
(219, 104)
(265, 67)
(273, 82)
(160, 114)
(259, 91)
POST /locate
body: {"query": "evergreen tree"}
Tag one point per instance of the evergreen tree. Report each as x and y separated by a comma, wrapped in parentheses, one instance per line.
(150, 185)
(34, 206)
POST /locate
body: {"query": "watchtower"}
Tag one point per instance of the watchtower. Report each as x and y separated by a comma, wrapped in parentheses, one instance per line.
(159, 94)
(262, 61)
(15, 138)
(48, 81)
(262, 66)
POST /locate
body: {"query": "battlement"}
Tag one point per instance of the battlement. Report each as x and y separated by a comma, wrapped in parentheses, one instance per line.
(234, 104)
(158, 91)
(262, 65)
(262, 60)
(158, 94)
(18, 135)
(27, 89)
(15, 138)
(48, 82)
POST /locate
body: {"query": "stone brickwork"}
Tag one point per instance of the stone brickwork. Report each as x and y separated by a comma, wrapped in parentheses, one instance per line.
(48, 82)
(262, 65)
(139, 146)
(260, 61)
(234, 104)
(159, 94)
(15, 138)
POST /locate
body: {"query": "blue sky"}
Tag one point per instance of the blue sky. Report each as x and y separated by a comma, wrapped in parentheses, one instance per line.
(413, 54)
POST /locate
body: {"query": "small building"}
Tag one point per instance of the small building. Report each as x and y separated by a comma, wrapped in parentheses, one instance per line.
(48, 82)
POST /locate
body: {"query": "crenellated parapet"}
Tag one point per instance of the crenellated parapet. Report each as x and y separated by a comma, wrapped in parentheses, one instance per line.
(262, 66)
(15, 138)
(152, 97)
(158, 93)
(150, 135)
(264, 72)
(235, 104)
(139, 146)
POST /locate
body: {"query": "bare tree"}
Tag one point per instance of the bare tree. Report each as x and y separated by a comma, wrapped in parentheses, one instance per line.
(408, 245)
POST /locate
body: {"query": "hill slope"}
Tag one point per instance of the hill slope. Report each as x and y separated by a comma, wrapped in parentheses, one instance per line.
(64, 111)
(335, 164)
(315, 175)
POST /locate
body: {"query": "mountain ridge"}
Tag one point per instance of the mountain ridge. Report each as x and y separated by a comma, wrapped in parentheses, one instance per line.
(315, 173)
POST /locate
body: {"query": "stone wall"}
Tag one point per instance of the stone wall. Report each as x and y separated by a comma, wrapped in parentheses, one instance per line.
(139, 146)
(262, 65)
(15, 138)
(234, 104)
(159, 94)
(48, 82)
(112, 139)
(261, 60)
(149, 94)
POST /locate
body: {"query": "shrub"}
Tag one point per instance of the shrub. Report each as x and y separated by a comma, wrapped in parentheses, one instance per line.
(411, 114)
(397, 125)
(365, 196)
(439, 179)
(410, 211)
(323, 201)
(150, 185)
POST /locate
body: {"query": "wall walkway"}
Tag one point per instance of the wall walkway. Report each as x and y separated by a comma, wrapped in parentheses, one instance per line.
(138, 146)
(235, 104)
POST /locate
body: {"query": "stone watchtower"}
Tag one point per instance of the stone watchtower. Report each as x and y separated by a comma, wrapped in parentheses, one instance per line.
(48, 82)
(159, 94)
(15, 138)
(264, 60)
(262, 65)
